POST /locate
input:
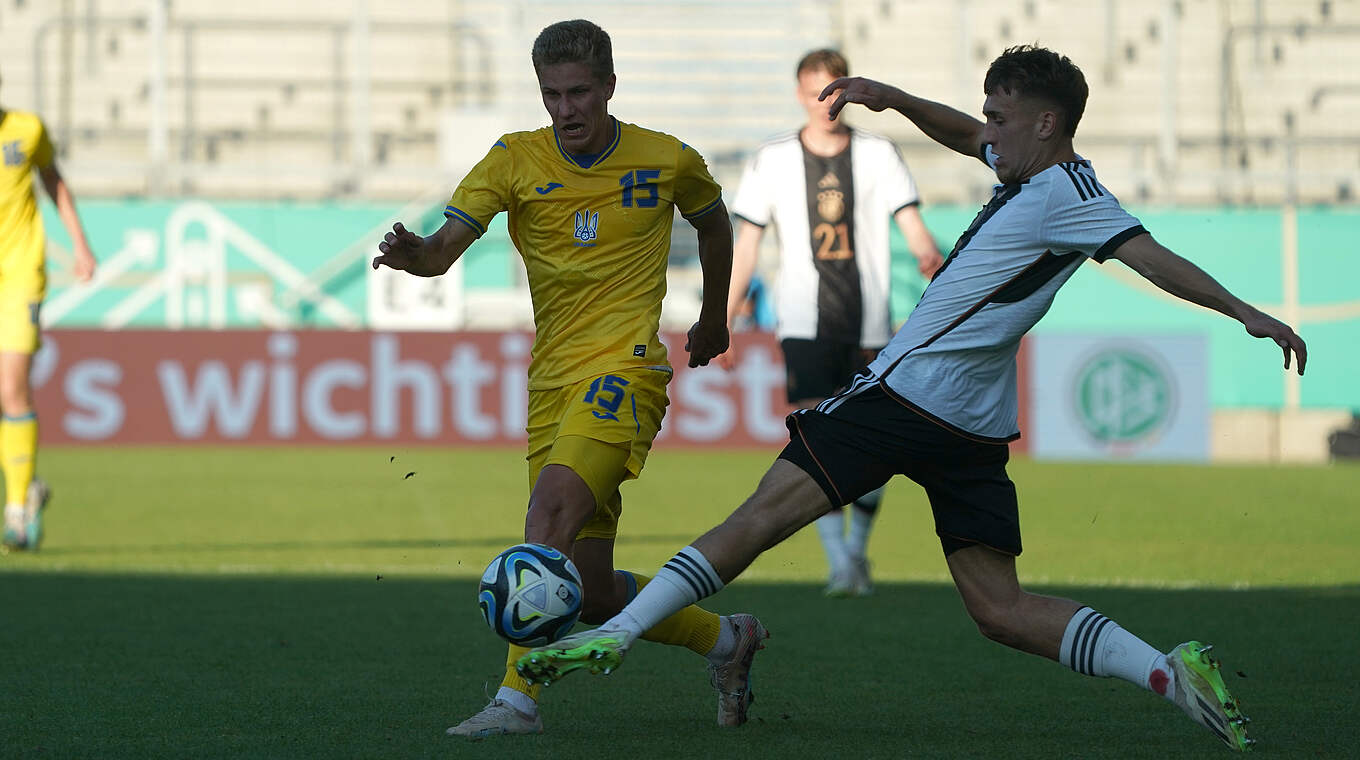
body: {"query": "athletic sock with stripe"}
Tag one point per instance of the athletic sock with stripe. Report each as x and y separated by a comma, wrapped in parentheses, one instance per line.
(1095, 645)
(684, 580)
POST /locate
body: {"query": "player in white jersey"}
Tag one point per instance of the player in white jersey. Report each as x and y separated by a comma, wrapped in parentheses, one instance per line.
(829, 192)
(938, 404)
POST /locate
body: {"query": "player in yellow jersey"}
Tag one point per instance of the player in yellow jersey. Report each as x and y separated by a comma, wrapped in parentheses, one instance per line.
(23, 283)
(590, 202)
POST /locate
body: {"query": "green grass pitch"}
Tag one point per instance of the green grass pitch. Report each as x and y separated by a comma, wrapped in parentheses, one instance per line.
(301, 603)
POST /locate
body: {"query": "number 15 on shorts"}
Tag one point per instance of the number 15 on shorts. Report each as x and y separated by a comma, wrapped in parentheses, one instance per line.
(607, 392)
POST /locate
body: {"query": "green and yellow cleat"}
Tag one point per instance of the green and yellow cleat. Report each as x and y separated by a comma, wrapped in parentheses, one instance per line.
(1200, 692)
(596, 651)
(35, 501)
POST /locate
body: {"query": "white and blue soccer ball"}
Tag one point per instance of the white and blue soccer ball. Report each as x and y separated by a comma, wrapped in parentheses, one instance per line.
(530, 594)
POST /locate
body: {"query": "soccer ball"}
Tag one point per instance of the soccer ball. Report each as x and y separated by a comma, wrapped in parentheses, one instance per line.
(530, 595)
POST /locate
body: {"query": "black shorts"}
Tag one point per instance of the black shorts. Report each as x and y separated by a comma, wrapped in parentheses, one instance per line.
(866, 436)
(821, 368)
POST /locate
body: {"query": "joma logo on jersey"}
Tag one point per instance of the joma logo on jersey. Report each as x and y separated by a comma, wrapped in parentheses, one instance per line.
(13, 155)
(586, 225)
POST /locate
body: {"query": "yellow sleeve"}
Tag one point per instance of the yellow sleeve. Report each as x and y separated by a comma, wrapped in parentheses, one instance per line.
(42, 149)
(485, 191)
(696, 192)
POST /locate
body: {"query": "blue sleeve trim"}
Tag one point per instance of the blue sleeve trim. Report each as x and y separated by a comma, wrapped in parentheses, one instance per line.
(462, 216)
(691, 217)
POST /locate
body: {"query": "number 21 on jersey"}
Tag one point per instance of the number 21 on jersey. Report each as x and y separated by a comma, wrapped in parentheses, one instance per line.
(833, 242)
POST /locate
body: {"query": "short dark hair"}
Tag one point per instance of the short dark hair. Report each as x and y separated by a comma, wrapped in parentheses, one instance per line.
(825, 59)
(576, 41)
(1035, 72)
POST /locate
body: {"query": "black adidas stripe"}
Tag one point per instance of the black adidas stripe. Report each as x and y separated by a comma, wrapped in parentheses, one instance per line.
(687, 576)
(1219, 733)
(1075, 183)
(698, 578)
(1205, 708)
(1076, 640)
(1091, 184)
(1083, 656)
(1091, 651)
(1084, 638)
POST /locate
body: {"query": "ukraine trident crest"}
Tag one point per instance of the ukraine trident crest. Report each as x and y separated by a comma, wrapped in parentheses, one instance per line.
(586, 224)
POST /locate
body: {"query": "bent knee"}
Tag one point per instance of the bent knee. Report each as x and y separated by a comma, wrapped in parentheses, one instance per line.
(995, 622)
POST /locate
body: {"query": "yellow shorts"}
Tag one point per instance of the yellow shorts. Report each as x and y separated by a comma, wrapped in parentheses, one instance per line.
(23, 283)
(602, 428)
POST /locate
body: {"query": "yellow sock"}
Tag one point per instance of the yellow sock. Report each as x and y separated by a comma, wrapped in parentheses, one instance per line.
(512, 679)
(19, 442)
(694, 627)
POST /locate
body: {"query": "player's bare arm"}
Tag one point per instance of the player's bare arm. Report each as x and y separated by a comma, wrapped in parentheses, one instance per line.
(919, 239)
(1181, 278)
(709, 337)
(951, 128)
(424, 256)
(745, 252)
(60, 194)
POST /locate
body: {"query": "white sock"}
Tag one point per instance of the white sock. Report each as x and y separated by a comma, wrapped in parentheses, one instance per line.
(831, 529)
(684, 580)
(726, 644)
(1095, 645)
(861, 520)
(518, 700)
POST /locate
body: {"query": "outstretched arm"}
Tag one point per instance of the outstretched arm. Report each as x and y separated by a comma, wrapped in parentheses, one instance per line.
(66, 208)
(953, 129)
(708, 337)
(919, 239)
(424, 256)
(1186, 281)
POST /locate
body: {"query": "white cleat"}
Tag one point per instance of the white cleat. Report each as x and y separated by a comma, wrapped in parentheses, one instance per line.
(841, 584)
(732, 679)
(498, 718)
(863, 585)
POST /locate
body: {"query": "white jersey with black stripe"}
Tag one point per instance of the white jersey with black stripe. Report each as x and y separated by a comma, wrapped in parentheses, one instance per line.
(954, 359)
(774, 190)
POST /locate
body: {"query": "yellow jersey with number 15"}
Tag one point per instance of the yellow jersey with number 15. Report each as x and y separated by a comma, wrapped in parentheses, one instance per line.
(23, 148)
(595, 235)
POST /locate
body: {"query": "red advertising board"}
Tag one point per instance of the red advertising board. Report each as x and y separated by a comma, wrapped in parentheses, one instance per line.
(315, 387)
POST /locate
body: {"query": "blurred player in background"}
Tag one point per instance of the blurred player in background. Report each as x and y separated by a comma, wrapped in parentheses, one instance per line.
(591, 202)
(830, 191)
(939, 403)
(23, 283)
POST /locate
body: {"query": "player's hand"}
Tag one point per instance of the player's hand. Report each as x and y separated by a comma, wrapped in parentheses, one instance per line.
(399, 249)
(706, 341)
(84, 265)
(727, 359)
(1262, 325)
(875, 96)
(928, 264)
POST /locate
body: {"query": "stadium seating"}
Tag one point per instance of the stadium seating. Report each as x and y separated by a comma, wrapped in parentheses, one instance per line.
(1191, 100)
